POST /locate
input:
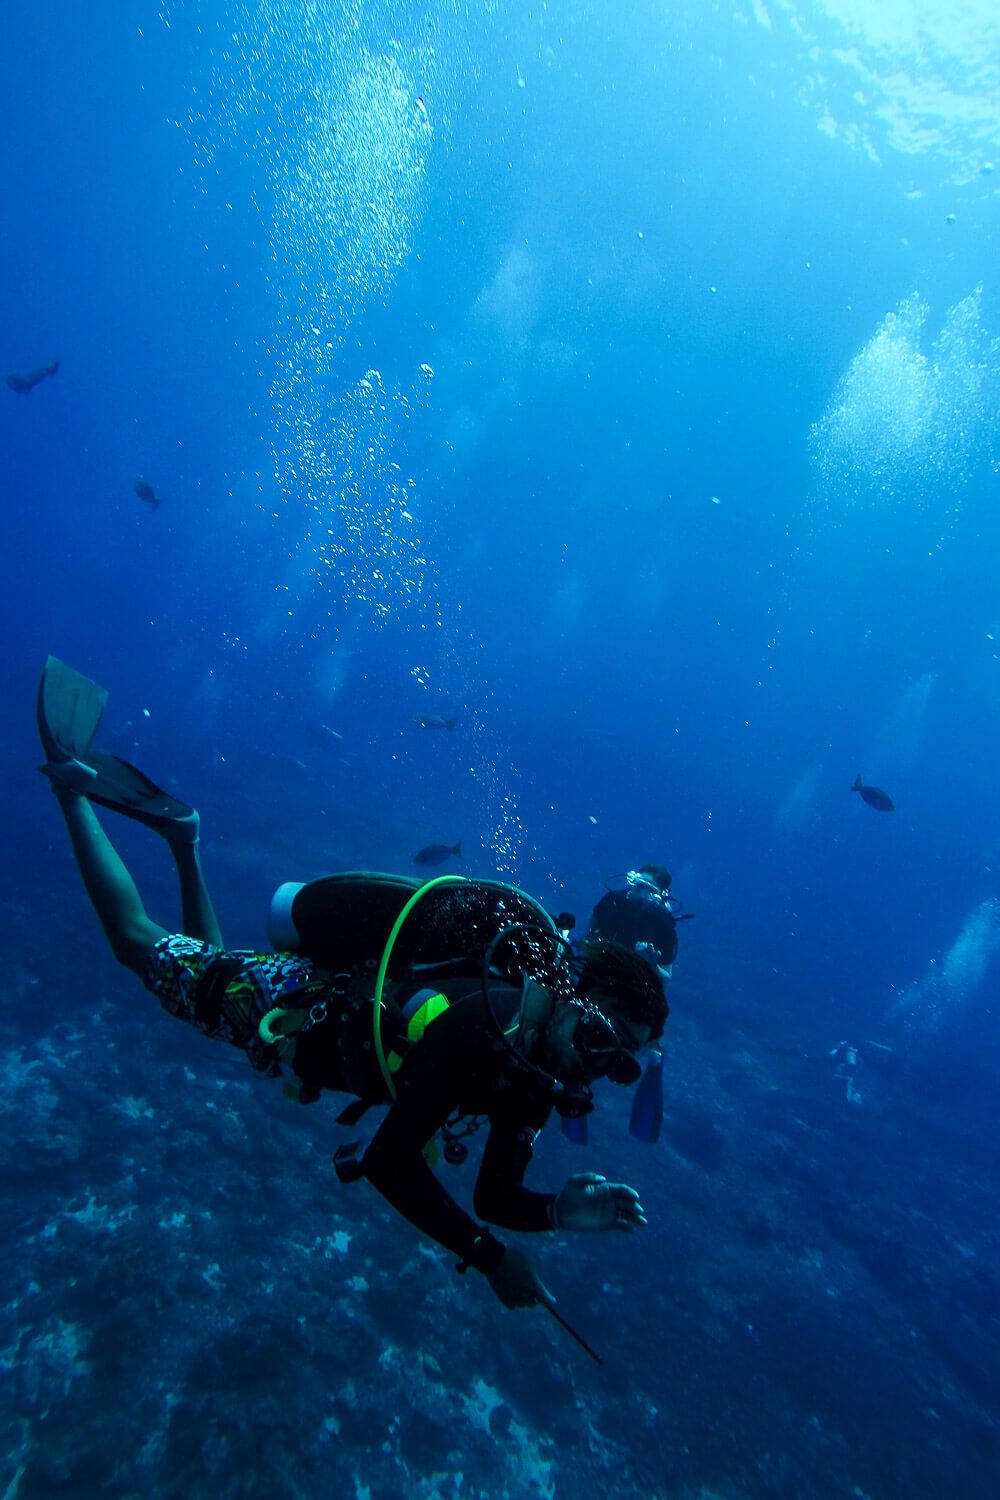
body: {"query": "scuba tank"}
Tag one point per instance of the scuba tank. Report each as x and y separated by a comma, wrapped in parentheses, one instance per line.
(339, 921)
(344, 922)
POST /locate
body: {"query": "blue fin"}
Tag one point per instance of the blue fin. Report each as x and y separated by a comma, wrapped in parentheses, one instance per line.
(647, 1106)
(69, 710)
(575, 1130)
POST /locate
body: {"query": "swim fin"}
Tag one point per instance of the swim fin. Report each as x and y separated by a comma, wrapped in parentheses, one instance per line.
(123, 788)
(647, 1106)
(69, 711)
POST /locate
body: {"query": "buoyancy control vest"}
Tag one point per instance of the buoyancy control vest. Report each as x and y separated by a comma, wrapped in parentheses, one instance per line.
(359, 925)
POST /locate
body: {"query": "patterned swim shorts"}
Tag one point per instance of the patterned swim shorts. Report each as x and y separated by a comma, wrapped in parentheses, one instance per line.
(224, 993)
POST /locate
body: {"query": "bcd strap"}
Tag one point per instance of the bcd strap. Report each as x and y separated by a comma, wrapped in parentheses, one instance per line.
(418, 1012)
(283, 1022)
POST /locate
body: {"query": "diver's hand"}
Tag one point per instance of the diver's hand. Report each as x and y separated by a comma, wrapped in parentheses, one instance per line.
(515, 1281)
(589, 1203)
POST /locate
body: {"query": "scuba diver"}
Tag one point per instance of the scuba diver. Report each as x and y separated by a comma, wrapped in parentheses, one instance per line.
(641, 915)
(455, 1002)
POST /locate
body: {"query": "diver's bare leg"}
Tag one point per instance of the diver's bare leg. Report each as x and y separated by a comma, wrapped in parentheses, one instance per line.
(197, 912)
(112, 891)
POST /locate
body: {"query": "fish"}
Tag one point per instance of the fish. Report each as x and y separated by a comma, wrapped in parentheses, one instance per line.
(874, 796)
(436, 854)
(435, 721)
(146, 492)
(22, 384)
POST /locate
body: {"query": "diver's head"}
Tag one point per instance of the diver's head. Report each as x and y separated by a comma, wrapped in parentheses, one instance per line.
(657, 877)
(626, 987)
(617, 1008)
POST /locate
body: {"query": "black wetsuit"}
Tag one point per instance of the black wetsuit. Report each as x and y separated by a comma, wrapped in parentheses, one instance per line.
(459, 1066)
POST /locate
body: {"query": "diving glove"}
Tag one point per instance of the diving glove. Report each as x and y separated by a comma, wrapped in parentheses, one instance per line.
(515, 1281)
(589, 1204)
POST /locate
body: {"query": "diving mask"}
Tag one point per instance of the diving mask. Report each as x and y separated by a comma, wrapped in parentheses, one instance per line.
(604, 1049)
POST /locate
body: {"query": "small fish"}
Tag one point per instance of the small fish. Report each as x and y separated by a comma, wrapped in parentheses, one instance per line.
(435, 721)
(874, 796)
(146, 492)
(436, 854)
(22, 384)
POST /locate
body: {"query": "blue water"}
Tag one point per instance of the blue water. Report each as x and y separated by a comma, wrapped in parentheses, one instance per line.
(624, 382)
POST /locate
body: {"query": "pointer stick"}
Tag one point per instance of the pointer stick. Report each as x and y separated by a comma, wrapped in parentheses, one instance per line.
(572, 1332)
